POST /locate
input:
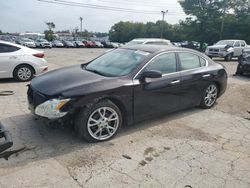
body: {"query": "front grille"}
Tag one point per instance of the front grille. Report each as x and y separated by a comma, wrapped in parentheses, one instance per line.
(214, 50)
(35, 98)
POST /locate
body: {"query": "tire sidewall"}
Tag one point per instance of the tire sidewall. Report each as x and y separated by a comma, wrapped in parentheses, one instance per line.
(229, 57)
(81, 123)
(15, 74)
(203, 104)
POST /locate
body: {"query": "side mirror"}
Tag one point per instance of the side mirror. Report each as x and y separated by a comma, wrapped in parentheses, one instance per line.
(150, 74)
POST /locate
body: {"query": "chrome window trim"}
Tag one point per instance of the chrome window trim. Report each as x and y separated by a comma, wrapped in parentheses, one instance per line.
(134, 78)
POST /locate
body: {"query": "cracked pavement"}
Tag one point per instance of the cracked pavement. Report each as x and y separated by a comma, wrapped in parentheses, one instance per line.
(191, 148)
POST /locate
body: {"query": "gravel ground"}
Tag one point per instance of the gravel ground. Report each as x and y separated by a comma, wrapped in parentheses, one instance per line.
(188, 149)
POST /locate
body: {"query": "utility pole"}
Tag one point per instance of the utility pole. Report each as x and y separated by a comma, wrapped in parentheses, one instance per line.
(81, 24)
(162, 24)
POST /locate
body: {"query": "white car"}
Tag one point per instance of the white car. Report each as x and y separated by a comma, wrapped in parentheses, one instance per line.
(20, 62)
(27, 42)
(154, 41)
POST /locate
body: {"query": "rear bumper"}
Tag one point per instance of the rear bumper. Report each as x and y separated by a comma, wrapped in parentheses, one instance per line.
(7, 143)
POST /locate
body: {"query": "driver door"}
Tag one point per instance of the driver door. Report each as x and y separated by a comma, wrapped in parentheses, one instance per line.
(158, 95)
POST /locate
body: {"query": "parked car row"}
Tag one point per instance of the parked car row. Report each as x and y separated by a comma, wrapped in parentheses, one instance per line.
(43, 43)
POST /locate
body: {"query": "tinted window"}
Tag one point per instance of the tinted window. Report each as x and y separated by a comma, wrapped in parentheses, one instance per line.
(165, 63)
(237, 44)
(243, 44)
(4, 48)
(189, 61)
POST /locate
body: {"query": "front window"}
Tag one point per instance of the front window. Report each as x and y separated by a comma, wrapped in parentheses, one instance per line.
(237, 44)
(165, 63)
(225, 42)
(119, 62)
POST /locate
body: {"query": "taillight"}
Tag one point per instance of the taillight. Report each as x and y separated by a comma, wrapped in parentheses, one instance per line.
(39, 55)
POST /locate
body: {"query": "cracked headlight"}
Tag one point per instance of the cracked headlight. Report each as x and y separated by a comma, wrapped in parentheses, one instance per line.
(51, 108)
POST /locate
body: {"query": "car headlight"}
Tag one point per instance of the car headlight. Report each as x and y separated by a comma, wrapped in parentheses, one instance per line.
(51, 108)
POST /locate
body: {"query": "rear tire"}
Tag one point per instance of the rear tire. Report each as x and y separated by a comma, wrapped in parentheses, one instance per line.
(209, 96)
(23, 73)
(98, 122)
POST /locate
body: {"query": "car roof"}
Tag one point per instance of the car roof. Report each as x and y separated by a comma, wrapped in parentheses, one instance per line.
(10, 43)
(149, 39)
(154, 48)
(232, 40)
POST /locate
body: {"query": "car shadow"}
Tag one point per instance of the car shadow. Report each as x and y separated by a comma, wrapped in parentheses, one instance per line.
(245, 77)
(223, 60)
(34, 141)
(7, 80)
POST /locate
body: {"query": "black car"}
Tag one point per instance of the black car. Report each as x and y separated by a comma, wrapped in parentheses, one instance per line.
(244, 63)
(126, 85)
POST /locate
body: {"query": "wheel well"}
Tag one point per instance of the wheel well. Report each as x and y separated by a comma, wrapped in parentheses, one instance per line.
(218, 86)
(121, 106)
(25, 65)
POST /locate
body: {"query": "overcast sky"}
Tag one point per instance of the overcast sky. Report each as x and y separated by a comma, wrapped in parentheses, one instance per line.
(31, 15)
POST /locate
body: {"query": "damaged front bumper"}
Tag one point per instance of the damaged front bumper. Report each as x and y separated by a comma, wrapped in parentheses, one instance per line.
(7, 143)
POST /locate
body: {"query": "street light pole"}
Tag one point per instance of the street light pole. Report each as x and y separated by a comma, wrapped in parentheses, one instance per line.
(81, 24)
(162, 24)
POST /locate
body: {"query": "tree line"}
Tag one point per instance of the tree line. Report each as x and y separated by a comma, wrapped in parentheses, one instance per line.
(208, 21)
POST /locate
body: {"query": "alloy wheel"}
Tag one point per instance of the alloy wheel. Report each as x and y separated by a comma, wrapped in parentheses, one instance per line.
(211, 95)
(103, 123)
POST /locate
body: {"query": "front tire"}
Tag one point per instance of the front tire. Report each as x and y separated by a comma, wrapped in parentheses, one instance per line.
(210, 96)
(23, 73)
(99, 122)
(229, 57)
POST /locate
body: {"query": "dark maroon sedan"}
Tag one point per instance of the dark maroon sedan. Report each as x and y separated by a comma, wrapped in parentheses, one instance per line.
(124, 86)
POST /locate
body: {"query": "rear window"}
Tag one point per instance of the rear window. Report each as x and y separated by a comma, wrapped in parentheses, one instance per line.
(5, 48)
(189, 61)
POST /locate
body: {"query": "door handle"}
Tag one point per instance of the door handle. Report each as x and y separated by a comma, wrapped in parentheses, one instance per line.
(206, 75)
(175, 82)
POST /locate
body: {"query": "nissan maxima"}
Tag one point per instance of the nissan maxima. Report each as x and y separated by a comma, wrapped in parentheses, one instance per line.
(125, 86)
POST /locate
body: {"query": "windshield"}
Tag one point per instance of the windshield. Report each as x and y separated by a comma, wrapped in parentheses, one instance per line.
(117, 63)
(225, 42)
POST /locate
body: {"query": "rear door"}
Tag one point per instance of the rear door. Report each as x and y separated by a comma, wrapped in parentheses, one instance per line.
(195, 76)
(9, 57)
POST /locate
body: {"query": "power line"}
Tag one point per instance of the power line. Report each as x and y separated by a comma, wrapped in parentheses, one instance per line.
(75, 4)
(85, 5)
(145, 4)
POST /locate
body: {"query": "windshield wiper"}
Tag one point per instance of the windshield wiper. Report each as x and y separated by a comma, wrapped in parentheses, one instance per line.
(95, 71)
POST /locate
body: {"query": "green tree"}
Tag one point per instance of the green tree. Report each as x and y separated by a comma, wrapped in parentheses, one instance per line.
(49, 34)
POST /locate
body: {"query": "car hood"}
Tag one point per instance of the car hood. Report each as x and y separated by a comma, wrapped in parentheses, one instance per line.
(73, 81)
(217, 46)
